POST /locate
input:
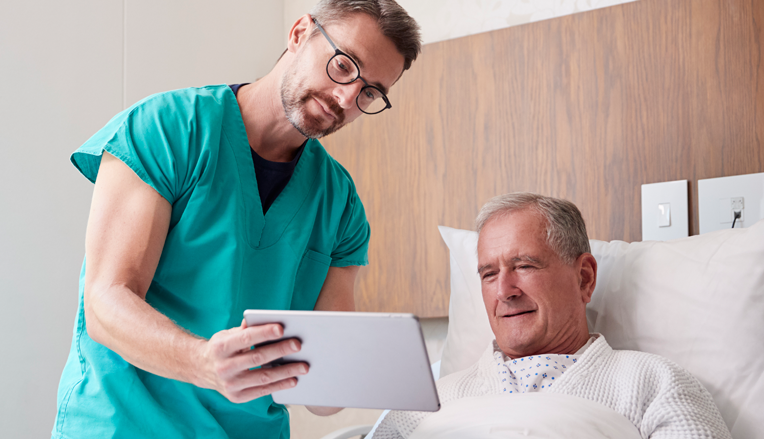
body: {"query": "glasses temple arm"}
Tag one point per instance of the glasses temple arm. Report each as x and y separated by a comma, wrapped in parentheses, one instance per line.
(326, 36)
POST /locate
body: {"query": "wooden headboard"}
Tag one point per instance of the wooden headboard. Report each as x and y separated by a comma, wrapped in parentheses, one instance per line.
(585, 107)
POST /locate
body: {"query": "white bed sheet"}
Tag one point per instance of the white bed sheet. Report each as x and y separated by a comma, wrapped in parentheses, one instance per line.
(531, 415)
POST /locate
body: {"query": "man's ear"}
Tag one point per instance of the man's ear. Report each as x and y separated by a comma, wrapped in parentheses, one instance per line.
(299, 33)
(587, 271)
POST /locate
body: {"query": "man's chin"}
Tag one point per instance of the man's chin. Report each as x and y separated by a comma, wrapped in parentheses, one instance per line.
(516, 342)
(313, 127)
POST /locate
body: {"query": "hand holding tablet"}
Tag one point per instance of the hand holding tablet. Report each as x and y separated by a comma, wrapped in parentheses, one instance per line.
(361, 360)
(228, 362)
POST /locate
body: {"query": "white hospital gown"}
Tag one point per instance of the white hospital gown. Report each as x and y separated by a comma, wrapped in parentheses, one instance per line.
(660, 398)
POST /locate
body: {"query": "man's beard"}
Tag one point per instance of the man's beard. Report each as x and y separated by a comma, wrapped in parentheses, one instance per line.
(294, 98)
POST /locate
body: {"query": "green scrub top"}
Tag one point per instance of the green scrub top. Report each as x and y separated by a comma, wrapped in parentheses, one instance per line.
(221, 257)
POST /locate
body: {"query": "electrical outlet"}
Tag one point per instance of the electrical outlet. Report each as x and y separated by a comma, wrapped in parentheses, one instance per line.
(719, 198)
(737, 204)
(728, 207)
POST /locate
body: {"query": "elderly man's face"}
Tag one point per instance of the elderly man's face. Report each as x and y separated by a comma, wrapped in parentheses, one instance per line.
(535, 302)
(316, 105)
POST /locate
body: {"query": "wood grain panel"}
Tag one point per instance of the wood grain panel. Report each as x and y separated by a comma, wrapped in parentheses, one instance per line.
(586, 107)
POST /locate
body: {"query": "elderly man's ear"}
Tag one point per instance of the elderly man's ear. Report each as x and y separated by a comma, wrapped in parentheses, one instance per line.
(587, 274)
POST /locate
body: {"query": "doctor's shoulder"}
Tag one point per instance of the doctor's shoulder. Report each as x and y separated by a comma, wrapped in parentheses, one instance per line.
(164, 138)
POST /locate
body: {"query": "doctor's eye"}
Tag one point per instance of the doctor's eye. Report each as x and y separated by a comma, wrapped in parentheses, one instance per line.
(343, 65)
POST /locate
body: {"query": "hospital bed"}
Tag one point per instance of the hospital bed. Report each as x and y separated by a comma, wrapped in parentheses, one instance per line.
(698, 301)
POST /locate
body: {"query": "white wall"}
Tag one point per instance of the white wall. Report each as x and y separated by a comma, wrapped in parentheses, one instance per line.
(445, 19)
(65, 69)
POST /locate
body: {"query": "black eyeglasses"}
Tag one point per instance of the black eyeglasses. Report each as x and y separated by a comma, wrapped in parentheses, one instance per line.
(342, 69)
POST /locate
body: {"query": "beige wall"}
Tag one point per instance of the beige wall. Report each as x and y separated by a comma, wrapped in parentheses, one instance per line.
(174, 44)
(65, 69)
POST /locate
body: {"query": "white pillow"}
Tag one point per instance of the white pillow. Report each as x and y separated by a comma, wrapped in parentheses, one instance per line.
(468, 329)
(698, 301)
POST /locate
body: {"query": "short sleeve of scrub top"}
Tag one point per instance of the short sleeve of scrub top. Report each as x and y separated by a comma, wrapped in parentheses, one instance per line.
(221, 256)
(352, 245)
(141, 137)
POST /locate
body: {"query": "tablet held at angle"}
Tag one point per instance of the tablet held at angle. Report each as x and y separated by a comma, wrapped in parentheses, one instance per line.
(359, 360)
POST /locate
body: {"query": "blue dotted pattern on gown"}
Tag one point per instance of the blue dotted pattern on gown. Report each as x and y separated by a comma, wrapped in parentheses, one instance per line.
(534, 373)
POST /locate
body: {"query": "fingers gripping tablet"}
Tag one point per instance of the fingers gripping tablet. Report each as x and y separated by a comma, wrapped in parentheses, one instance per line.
(362, 360)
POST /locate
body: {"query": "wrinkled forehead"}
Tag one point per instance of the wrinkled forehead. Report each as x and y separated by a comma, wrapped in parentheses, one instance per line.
(517, 232)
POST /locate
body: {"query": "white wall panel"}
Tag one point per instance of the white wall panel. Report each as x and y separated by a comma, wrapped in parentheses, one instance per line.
(60, 80)
(182, 43)
(445, 19)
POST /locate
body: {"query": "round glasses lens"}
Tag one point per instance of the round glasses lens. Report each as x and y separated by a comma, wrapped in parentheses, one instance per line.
(370, 100)
(342, 69)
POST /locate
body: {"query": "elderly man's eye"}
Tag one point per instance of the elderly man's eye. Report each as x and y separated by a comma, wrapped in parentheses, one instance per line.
(487, 275)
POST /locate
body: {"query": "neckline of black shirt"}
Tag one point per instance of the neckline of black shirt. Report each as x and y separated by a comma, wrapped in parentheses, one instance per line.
(272, 177)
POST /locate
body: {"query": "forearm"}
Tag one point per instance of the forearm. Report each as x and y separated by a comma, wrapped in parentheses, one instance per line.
(128, 224)
(323, 411)
(122, 321)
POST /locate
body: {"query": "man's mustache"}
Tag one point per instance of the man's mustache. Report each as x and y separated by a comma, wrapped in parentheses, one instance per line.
(330, 102)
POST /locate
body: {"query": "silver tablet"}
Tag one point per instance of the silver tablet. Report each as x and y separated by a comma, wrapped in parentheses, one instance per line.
(360, 360)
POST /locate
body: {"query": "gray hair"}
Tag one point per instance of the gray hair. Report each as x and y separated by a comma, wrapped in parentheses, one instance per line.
(565, 227)
(394, 22)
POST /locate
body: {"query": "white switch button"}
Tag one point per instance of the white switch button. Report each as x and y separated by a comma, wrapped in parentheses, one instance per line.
(664, 215)
(664, 211)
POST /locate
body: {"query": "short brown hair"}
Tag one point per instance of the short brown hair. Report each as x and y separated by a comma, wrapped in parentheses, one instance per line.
(394, 22)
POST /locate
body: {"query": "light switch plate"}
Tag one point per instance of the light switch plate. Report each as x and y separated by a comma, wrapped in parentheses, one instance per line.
(664, 211)
(718, 196)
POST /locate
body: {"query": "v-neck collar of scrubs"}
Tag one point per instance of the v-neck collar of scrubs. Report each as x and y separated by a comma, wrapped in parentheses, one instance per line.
(265, 230)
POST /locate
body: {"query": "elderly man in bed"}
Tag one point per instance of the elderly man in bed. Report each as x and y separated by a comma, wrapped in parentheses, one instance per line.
(537, 275)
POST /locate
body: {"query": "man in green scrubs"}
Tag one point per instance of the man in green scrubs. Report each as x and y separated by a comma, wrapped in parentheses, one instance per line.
(182, 236)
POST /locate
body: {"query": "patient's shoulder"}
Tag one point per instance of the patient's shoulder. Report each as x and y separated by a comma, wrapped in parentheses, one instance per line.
(640, 372)
(646, 364)
(601, 357)
(673, 401)
(636, 374)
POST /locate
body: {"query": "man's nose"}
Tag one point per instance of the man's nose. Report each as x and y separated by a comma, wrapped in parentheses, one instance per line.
(507, 286)
(347, 93)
